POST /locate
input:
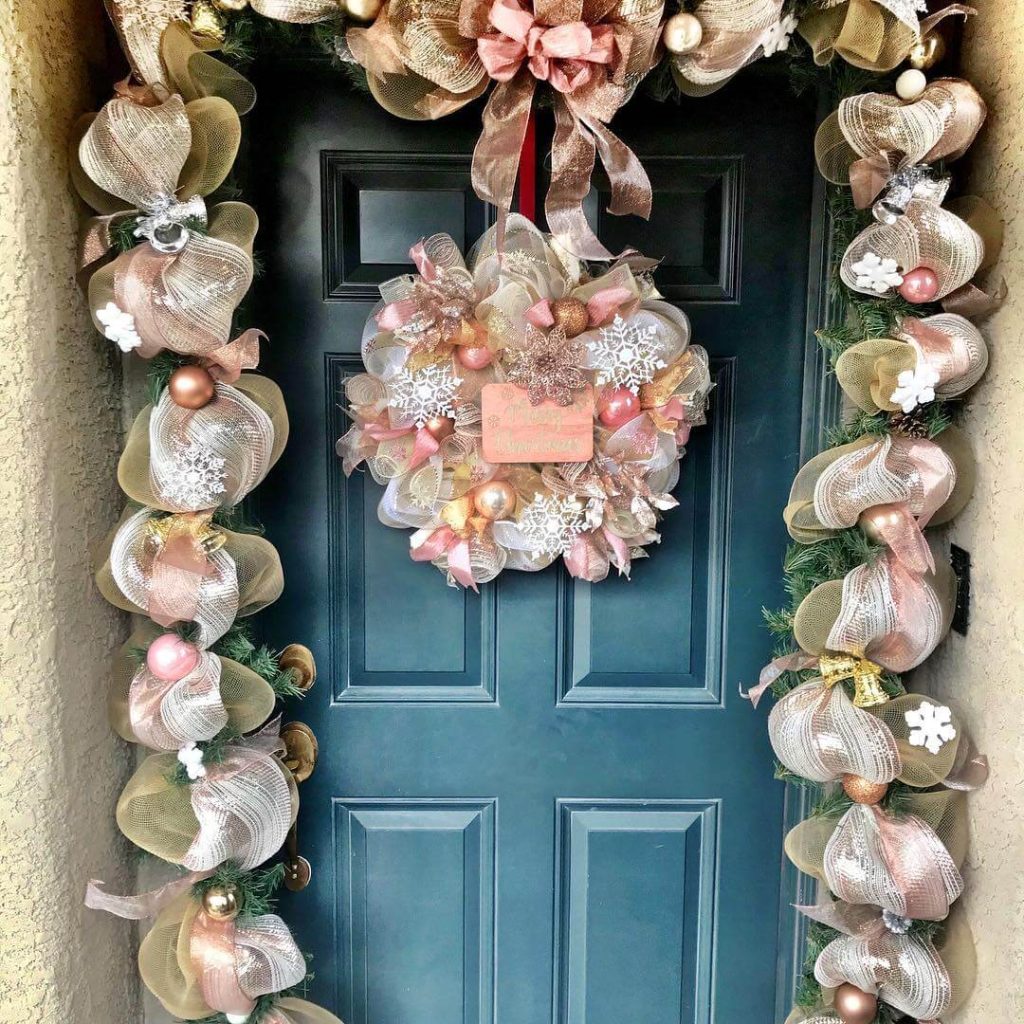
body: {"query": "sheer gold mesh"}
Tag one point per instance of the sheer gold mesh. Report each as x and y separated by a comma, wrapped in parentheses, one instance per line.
(248, 698)
(165, 962)
(225, 427)
(193, 73)
(299, 1011)
(863, 33)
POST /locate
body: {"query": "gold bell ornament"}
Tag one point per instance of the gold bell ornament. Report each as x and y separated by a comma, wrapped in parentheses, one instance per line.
(222, 902)
(866, 676)
(927, 51)
(207, 21)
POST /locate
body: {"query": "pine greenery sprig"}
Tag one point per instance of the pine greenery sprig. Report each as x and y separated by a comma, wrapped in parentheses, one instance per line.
(808, 991)
(237, 644)
(256, 888)
(808, 565)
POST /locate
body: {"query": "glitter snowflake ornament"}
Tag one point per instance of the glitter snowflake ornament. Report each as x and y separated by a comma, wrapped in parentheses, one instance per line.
(776, 37)
(140, 14)
(877, 274)
(915, 387)
(425, 393)
(626, 354)
(549, 524)
(931, 726)
(195, 481)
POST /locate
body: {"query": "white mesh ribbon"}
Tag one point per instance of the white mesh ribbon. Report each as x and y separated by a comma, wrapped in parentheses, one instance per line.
(817, 733)
(208, 457)
(166, 715)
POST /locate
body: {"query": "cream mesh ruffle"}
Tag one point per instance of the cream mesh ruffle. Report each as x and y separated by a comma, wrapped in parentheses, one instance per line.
(247, 699)
(245, 575)
(246, 425)
(868, 371)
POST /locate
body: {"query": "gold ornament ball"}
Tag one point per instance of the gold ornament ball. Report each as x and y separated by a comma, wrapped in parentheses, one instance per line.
(207, 21)
(191, 387)
(927, 51)
(880, 521)
(439, 427)
(363, 10)
(495, 500)
(682, 33)
(221, 902)
(863, 791)
(854, 1005)
(571, 315)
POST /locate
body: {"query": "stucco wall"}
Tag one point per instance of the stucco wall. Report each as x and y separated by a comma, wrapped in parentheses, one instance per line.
(983, 670)
(60, 426)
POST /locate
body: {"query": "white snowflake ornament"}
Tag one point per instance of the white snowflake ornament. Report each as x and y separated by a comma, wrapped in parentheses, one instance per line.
(915, 387)
(550, 523)
(877, 274)
(776, 37)
(931, 726)
(425, 393)
(195, 480)
(626, 354)
(191, 757)
(119, 327)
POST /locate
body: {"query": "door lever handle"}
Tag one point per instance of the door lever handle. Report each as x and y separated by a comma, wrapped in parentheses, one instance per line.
(301, 753)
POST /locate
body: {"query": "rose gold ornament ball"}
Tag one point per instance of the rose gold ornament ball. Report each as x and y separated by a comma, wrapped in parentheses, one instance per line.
(863, 791)
(170, 658)
(474, 357)
(879, 521)
(439, 427)
(682, 33)
(571, 315)
(495, 500)
(363, 10)
(854, 1005)
(617, 406)
(919, 285)
(191, 387)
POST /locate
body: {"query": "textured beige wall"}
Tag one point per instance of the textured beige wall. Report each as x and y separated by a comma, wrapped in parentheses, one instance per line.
(60, 416)
(984, 670)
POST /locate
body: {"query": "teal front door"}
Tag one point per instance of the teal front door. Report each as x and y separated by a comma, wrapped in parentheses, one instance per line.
(546, 804)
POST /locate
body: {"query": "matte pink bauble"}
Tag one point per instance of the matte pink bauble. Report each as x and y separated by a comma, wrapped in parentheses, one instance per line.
(474, 357)
(617, 407)
(919, 285)
(170, 658)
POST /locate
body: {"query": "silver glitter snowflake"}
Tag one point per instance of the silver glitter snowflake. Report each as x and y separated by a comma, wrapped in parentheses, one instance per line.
(426, 393)
(196, 480)
(549, 524)
(626, 354)
(931, 726)
(906, 10)
(144, 13)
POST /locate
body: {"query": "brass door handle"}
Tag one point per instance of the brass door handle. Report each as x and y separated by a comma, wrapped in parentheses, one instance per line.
(301, 753)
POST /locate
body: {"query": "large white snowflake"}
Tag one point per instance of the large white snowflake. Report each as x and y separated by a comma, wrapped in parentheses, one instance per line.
(549, 524)
(426, 393)
(196, 481)
(877, 274)
(931, 726)
(776, 37)
(626, 354)
(145, 13)
(915, 387)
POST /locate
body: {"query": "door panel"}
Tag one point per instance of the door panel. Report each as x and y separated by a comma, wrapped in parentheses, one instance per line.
(546, 802)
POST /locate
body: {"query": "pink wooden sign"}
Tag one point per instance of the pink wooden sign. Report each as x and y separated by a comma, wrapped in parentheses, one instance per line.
(514, 430)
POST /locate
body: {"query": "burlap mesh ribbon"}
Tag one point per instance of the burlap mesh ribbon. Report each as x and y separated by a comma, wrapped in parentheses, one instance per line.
(197, 966)
(241, 810)
(298, 1011)
(918, 977)
(881, 611)
(868, 34)
(236, 438)
(733, 31)
(947, 343)
(907, 863)
(872, 135)
(164, 570)
(166, 715)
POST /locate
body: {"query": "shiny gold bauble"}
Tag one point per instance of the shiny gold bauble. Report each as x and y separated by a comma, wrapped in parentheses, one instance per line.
(682, 33)
(222, 902)
(854, 1005)
(880, 521)
(571, 315)
(439, 427)
(495, 500)
(205, 20)
(863, 791)
(363, 10)
(231, 5)
(927, 51)
(191, 387)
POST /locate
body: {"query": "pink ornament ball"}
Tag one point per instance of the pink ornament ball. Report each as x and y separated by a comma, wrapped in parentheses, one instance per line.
(616, 407)
(474, 357)
(919, 285)
(170, 658)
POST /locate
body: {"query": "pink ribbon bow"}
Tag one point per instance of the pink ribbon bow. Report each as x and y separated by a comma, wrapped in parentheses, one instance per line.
(427, 545)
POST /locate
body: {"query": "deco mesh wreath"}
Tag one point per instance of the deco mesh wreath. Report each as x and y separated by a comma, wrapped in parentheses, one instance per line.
(519, 408)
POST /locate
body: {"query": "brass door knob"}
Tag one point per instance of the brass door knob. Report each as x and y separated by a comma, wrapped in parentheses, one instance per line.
(301, 749)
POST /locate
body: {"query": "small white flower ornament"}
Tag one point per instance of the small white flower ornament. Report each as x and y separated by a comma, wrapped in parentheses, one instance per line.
(119, 327)
(191, 757)
(931, 726)
(876, 273)
(915, 387)
(776, 37)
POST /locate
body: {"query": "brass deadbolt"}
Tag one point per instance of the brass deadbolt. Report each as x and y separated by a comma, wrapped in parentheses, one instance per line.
(299, 660)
